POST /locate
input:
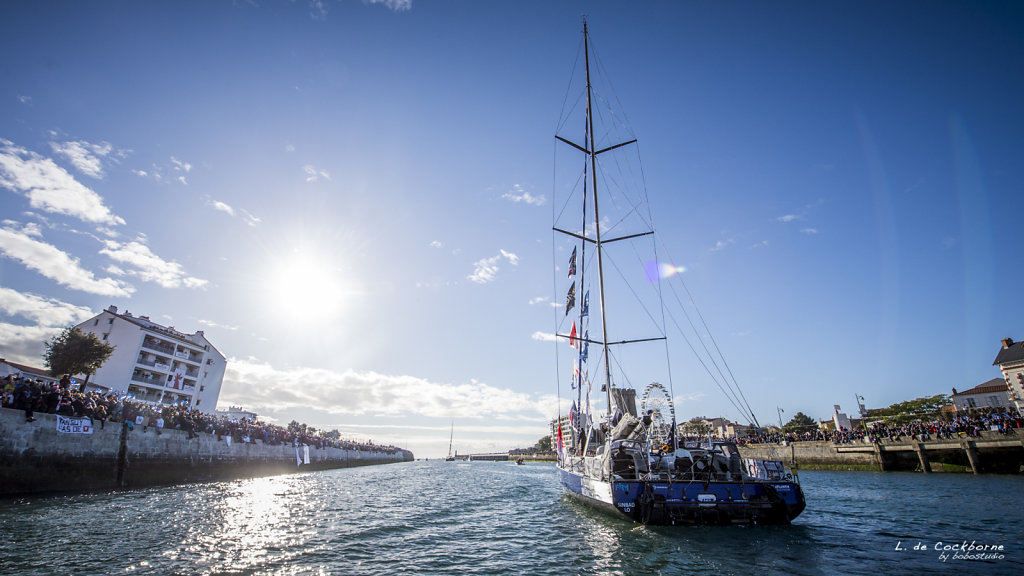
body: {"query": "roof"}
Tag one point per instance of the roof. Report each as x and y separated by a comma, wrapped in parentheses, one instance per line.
(993, 385)
(25, 369)
(1009, 352)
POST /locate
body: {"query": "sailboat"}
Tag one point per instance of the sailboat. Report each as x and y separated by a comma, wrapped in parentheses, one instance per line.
(451, 438)
(626, 461)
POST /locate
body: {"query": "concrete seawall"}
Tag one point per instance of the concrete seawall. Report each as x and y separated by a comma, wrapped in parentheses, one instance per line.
(989, 452)
(35, 458)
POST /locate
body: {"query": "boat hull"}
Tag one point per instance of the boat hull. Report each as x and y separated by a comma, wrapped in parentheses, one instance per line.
(664, 502)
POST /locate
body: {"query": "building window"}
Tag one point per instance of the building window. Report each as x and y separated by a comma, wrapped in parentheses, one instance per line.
(111, 321)
(993, 400)
(96, 322)
(105, 334)
(972, 403)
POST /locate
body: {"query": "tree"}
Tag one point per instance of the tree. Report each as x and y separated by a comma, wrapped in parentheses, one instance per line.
(697, 426)
(800, 423)
(75, 352)
(924, 408)
(543, 445)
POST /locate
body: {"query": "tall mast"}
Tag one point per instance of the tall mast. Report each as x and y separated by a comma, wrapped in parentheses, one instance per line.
(597, 221)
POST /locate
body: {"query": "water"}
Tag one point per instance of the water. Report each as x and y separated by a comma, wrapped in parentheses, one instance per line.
(498, 518)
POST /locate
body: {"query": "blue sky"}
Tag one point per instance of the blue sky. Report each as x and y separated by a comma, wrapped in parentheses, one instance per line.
(353, 199)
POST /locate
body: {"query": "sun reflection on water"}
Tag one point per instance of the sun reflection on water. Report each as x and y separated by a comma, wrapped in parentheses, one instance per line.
(259, 522)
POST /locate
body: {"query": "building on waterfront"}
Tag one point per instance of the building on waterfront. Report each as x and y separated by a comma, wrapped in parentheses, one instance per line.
(991, 394)
(8, 368)
(1010, 360)
(157, 364)
(568, 432)
(237, 413)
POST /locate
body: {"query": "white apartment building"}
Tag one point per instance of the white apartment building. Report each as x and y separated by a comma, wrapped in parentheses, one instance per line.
(157, 364)
(1010, 360)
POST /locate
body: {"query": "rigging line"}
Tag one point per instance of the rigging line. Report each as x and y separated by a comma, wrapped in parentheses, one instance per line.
(734, 385)
(564, 116)
(569, 196)
(643, 306)
(645, 200)
(728, 396)
(711, 336)
(632, 207)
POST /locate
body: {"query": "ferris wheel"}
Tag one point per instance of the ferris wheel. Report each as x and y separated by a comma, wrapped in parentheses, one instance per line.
(658, 401)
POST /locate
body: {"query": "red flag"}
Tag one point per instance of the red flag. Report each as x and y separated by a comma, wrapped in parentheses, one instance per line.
(561, 444)
(572, 335)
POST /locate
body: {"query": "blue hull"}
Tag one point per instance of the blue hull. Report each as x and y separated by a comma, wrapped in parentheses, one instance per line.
(664, 502)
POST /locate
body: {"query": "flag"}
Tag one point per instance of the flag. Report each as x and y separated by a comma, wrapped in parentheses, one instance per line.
(575, 374)
(585, 309)
(572, 263)
(574, 415)
(561, 444)
(570, 298)
(586, 346)
(572, 335)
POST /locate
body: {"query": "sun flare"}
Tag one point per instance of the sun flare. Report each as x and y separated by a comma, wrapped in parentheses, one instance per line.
(309, 288)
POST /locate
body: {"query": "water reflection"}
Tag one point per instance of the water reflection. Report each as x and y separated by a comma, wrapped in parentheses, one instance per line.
(255, 523)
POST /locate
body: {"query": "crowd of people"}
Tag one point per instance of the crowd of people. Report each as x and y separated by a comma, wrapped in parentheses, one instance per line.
(954, 425)
(35, 396)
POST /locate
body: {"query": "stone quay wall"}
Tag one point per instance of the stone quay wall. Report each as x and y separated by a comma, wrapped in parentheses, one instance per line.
(990, 452)
(35, 458)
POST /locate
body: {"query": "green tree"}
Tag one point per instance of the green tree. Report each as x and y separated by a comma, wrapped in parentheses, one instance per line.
(924, 408)
(75, 352)
(544, 445)
(800, 423)
(697, 426)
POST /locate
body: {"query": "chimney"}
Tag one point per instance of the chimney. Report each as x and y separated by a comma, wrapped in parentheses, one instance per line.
(113, 310)
(1007, 342)
(954, 391)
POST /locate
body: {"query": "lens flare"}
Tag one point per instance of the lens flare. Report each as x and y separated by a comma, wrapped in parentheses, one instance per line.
(658, 270)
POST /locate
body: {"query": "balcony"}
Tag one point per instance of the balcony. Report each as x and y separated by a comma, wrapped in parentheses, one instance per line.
(164, 347)
(148, 379)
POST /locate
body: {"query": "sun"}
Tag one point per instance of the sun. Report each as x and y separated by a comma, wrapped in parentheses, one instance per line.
(309, 287)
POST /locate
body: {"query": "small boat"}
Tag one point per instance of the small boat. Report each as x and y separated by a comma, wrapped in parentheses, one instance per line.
(519, 462)
(627, 461)
(451, 438)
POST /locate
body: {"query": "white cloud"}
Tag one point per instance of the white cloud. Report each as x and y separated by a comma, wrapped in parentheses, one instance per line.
(517, 194)
(435, 244)
(723, 243)
(57, 265)
(809, 230)
(543, 336)
(49, 187)
(85, 157)
(213, 324)
(41, 310)
(148, 266)
(46, 318)
(223, 207)
(312, 174)
(538, 300)
(263, 388)
(788, 217)
(181, 166)
(486, 269)
(227, 209)
(395, 5)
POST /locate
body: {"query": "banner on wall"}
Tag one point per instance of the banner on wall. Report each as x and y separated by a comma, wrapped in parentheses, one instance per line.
(74, 425)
